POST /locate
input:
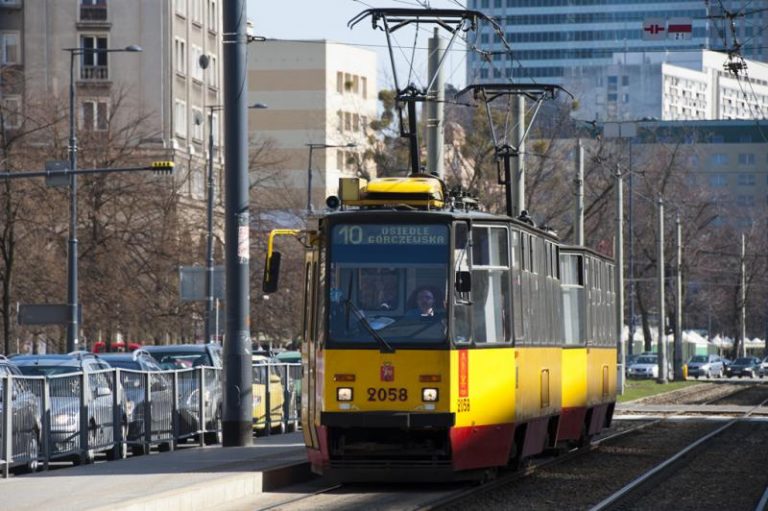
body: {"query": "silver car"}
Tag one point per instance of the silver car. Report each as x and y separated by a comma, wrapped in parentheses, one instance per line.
(708, 366)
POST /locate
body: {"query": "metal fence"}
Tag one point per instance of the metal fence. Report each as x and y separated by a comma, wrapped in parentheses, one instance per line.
(75, 416)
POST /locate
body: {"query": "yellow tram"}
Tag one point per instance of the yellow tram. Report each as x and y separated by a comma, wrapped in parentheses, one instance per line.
(442, 342)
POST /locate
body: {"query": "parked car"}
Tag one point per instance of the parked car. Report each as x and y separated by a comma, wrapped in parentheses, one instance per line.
(64, 374)
(646, 366)
(709, 366)
(744, 366)
(189, 356)
(764, 368)
(134, 382)
(25, 419)
(265, 374)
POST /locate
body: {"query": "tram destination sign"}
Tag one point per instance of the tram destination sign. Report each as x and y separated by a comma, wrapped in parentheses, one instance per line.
(390, 234)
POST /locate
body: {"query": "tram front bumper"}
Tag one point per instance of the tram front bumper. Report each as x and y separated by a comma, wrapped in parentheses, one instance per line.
(400, 420)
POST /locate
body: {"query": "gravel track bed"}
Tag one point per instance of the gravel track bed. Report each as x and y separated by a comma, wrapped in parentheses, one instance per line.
(588, 479)
(693, 395)
(750, 396)
(727, 473)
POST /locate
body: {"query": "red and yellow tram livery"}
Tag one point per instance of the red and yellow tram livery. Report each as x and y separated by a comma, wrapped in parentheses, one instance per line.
(442, 342)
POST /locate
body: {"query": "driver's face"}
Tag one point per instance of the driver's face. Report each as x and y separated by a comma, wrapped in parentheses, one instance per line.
(425, 300)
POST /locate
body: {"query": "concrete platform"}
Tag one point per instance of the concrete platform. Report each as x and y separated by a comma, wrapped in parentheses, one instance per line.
(188, 479)
(689, 409)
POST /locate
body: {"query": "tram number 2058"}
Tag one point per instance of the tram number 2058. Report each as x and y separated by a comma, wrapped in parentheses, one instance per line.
(387, 394)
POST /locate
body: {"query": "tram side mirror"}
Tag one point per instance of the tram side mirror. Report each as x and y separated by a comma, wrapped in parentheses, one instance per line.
(271, 273)
(463, 282)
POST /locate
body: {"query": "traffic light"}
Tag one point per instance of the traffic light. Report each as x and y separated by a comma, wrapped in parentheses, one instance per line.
(162, 167)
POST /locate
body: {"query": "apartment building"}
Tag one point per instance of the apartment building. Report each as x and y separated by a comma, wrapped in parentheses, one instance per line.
(713, 91)
(321, 96)
(600, 50)
(164, 83)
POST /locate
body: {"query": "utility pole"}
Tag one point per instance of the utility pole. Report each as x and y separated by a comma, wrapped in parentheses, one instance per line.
(579, 216)
(619, 276)
(662, 342)
(435, 107)
(678, 359)
(237, 422)
(743, 299)
(518, 170)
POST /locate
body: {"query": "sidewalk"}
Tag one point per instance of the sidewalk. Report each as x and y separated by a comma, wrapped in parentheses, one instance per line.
(187, 479)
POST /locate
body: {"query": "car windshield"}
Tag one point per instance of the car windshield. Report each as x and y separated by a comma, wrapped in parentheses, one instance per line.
(38, 370)
(182, 360)
(387, 284)
(743, 361)
(699, 358)
(647, 360)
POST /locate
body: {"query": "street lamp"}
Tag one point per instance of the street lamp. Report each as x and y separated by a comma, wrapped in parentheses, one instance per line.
(313, 146)
(72, 300)
(209, 336)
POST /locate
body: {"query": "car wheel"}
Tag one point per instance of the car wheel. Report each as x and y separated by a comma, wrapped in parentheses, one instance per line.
(140, 450)
(164, 447)
(85, 459)
(33, 464)
(119, 451)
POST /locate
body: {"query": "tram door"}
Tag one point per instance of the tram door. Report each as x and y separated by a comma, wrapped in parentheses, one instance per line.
(310, 349)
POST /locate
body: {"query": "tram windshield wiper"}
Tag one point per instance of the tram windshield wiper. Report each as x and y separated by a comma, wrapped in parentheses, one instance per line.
(385, 346)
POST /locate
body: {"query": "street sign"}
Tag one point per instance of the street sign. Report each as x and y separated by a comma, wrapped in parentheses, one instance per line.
(654, 29)
(680, 28)
(192, 283)
(59, 179)
(46, 314)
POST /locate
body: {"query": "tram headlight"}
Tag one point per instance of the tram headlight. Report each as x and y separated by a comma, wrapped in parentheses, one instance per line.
(429, 395)
(344, 394)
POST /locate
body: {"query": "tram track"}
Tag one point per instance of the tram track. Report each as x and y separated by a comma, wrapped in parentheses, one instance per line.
(630, 496)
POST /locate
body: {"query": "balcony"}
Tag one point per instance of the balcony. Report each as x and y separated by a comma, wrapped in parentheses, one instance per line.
(94, 73)
(91, 13)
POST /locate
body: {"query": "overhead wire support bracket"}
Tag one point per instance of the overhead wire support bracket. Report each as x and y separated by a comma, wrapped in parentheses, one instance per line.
(390, 20)
(503, 151)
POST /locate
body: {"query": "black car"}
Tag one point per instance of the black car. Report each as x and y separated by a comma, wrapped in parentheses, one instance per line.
(744, 366)
(195, 361)
(25, 417)
(139, 370)
(66, 374)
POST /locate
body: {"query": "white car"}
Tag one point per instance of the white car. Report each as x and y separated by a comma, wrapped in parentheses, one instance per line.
(646, 366)
(763, 371)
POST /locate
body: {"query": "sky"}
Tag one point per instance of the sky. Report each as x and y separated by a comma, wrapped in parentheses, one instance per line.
(327, 19)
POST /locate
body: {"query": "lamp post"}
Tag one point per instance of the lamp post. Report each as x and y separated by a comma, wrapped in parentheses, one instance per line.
(209, 267)
(72, 300)
(313, 146)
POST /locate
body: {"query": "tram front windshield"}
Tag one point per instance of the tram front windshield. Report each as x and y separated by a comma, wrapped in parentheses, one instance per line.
(388, 284)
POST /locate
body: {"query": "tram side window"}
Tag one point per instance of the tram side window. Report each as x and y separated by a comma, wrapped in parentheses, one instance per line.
(462, 308)
(573, 298)
(491, 294)
(517, 301)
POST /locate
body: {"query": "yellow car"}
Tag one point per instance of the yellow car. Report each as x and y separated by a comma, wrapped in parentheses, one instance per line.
(263, 371)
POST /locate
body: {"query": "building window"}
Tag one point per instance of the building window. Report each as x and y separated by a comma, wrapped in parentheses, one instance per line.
(180, 54)
(197, 11)
(180, 118)
(340, 160)
(340, 120)
(92, 10)
(94, 115)
(746, 179)
(197, 71)
(94, 63)
(718, 159)
(355, 123)
(9, 48)
(747, 201)
(364, 83)
(197, 125)
(213, 72)
(347, 121)
(10, 111)
(213, 16)
(746, 159)
(718, 181)
(340, 82)
(363, 123)
(215, 128)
